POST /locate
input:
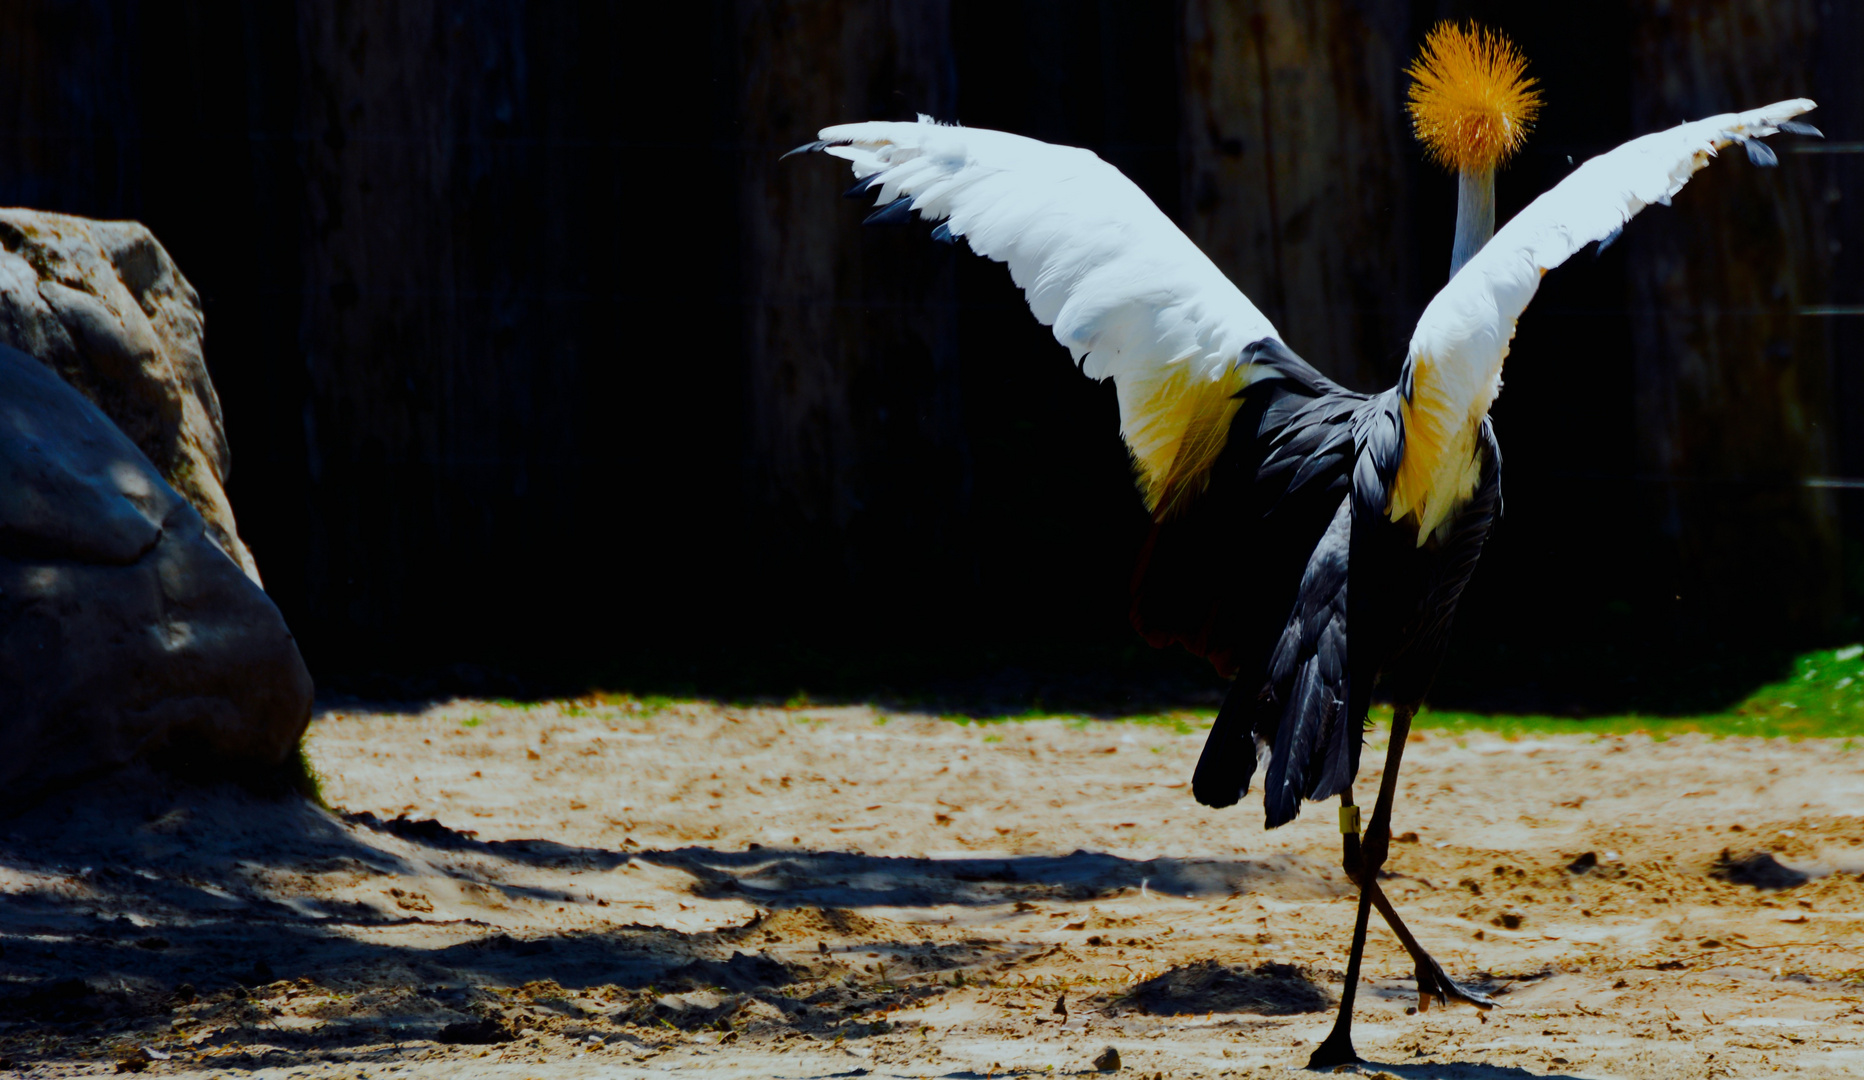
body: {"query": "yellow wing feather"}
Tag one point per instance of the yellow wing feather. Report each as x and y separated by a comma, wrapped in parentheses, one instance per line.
(1439, 470)
(1176, 425)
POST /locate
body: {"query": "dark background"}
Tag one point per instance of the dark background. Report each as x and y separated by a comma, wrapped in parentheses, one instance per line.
(541, 371)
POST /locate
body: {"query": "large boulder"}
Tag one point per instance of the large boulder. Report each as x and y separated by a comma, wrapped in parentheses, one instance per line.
(126, 631)
(103, 304)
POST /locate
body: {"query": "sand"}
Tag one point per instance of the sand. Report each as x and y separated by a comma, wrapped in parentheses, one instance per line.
(602, 888)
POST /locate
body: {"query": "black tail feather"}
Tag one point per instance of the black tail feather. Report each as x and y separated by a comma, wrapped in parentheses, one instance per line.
(1312, 710)
(1304, 707)
(1228, 762)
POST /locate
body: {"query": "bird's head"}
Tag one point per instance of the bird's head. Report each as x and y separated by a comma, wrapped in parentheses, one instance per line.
(1471, 101)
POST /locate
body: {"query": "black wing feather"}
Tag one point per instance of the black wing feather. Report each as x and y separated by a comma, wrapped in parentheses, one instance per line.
(1444, 568)
(1252, 517)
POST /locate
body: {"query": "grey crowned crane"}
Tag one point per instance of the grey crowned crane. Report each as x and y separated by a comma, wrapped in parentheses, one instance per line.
(1309, 540)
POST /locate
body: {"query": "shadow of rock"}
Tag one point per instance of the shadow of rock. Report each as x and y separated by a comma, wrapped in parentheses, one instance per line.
(787, 877)
(1207, 986)
(137, 901)
(145, 908)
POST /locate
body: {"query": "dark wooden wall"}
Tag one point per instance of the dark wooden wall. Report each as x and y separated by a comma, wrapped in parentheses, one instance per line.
(535, 356)
(857, 468)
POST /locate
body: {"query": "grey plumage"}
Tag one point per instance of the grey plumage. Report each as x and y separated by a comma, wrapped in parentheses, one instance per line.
(1331, 601)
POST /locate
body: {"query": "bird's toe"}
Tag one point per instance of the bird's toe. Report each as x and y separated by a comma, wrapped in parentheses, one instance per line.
(1434, 986)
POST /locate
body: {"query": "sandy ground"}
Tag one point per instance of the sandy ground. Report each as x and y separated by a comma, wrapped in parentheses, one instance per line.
(602, 889)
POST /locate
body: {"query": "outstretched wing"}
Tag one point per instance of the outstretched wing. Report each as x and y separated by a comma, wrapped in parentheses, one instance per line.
(1125, 290)
(1453, 370)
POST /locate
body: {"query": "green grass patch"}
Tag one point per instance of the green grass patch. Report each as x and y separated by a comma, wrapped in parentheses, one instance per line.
(1181, 722)
(1822, 698)
(640, 705)
(302, 777)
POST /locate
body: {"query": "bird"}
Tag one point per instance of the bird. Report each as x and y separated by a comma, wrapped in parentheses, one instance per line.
(1310, 541)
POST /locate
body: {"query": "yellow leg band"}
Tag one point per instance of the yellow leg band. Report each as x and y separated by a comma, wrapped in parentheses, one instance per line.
(1349, 821)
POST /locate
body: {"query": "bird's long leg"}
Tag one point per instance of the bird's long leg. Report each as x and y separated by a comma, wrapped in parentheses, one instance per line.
(1362, 860)
(1432, 981)
(1337, 1048)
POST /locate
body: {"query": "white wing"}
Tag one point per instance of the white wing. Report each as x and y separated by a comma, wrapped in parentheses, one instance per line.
(1125, 290)
(1453, 370)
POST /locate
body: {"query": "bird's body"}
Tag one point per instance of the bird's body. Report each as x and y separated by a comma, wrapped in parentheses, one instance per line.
(1309, 540)
(1294, 508)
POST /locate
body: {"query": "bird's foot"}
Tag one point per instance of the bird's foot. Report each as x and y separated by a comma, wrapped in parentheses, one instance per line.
(1337, 1050)
(1433, 984)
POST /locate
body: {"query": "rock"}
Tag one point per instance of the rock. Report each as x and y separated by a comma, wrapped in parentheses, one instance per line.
(1208, 986)
(741, 973)
(102, 304)
(126, 631)
(1108, 1061)
(1758, 869)
(485, 1030)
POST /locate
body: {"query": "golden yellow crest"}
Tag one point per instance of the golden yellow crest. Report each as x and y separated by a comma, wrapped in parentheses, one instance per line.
(1471, 102)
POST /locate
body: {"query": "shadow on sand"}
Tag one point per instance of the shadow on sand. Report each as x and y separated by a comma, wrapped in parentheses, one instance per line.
(1460, 1070)
(136, 903)
(777, 877)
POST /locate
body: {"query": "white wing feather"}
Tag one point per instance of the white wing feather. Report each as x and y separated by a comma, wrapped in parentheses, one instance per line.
(1456, 353)
(1124, 289)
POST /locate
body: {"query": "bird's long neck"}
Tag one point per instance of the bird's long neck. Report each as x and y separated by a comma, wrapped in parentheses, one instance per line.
(1475, 214)
(1447, 397)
